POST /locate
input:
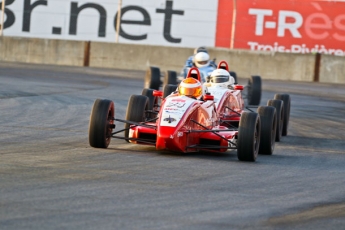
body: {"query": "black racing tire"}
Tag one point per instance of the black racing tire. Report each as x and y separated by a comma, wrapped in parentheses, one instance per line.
(170, 77)
(149, 93)
(287, 104)
(278, 104)
(248, 141)
(136, 111)
(234, 75)
(168, 89)
(152, 78)
(152, 101)
(254, 90)
(268, 119)
(101, 123)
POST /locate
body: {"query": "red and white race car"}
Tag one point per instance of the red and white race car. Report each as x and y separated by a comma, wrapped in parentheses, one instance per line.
(180, 123)
(154, 78)
(230, 105)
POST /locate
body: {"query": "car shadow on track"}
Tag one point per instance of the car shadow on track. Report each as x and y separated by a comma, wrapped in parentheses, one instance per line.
(292, 150)
(227, 156)
(151, 150)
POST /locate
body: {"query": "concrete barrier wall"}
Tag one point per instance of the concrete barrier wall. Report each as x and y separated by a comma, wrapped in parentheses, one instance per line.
(332, 69)
(269, 65)
(43, 51)
(246, 63)
(137, 57)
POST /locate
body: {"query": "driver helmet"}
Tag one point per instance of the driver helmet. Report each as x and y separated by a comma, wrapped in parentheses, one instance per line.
(190, 87)
(200, 49)
(201, 59)
(221, 77)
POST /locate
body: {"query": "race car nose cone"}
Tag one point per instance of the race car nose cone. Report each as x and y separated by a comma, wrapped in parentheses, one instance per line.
(160, 144)
(169, 138)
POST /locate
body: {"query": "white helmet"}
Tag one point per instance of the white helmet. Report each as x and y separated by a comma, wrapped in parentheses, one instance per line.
(200, 49)
(201, 59)
(221, 77)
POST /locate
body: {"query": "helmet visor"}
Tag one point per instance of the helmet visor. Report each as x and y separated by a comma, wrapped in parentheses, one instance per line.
(220, 79)
(202, 62)
(191, 92)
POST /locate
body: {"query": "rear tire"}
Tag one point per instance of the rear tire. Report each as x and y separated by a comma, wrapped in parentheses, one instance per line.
(152, 78)
(101, 122)
(268, 119)
(234, 75)
(287, 103)
(254, 90)
(278, 104)
(149, 93)
(137, 105)
(170, 78)
(168, 89)
(152, 101)
(248, 137)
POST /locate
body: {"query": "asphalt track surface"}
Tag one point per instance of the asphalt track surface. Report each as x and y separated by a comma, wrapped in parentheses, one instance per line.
(50, 178)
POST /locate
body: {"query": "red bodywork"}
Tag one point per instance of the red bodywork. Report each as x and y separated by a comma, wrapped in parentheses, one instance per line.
(229, 102)
(231, 99)
(188, 125)
(183, 136)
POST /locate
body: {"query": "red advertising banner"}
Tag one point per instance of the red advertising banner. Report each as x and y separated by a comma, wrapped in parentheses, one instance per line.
(302, 26)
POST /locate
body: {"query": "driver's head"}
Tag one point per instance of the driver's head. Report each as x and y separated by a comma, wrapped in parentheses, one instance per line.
(190, 87)
(200, 49)
(201, 59)
(221, 76)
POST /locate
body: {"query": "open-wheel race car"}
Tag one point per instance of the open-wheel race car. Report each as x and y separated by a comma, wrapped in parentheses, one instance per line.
(155, 78)
(230, 106)
(185, 121)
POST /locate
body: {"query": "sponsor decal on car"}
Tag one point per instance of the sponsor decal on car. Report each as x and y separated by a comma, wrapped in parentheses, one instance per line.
(209, 121)
(169, 119)
(174, 109)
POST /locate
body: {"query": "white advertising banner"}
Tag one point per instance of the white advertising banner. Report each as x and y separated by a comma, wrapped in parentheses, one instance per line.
(154, 22)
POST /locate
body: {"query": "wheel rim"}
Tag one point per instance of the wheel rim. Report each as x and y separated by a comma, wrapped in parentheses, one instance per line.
(109, 130)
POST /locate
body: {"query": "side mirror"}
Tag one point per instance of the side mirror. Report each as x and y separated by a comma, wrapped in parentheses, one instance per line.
(157, 93)
(208, 97)
(238, 87)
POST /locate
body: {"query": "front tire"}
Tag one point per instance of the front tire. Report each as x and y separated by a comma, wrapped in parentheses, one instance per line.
(254, 90)
(234, 75)
(248, 142)
(168, 89)
(278, 104)
(152, 78)
(149, 94)
(287, 103)
(170, 78)
(136, 111)
(152, 101)
(268, 119)
(101, 123)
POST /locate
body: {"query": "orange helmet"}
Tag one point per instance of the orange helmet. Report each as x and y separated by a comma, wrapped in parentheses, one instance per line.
(190, 87)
